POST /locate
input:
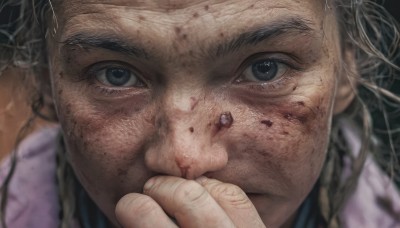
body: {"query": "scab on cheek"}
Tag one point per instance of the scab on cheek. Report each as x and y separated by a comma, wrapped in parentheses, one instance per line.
(301, 114)
(225, 121)
(267, 123)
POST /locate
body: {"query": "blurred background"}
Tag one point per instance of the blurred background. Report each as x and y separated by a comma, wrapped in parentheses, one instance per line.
(14, 98)
(393, 6)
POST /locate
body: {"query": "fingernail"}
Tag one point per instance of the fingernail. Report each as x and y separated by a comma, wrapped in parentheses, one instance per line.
(149, 184)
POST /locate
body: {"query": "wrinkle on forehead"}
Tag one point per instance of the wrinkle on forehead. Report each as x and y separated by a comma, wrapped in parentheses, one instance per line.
(156, 5)
(229, 18)
(173, 6)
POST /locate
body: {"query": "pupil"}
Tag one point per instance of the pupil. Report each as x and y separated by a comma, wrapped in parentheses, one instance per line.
(265, 70)
(117, 77)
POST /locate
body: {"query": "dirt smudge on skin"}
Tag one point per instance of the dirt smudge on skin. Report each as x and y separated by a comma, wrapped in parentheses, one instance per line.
(267, 123)
(301, 103)
(122, 172)
(291, 117)
(178, 30)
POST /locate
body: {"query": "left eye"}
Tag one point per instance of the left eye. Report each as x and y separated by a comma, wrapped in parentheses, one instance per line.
(265, 70)
(117, 76)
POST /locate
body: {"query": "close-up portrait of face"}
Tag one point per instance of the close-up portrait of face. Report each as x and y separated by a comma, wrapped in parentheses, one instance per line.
(190, 113)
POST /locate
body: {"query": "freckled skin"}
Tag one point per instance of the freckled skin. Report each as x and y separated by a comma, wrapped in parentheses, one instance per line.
(277, 144)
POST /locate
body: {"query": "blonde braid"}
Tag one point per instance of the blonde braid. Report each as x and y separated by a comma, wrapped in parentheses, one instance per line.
(334, 192)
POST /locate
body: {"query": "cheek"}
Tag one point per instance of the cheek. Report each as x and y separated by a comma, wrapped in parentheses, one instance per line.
(283, 141)
(105, 144)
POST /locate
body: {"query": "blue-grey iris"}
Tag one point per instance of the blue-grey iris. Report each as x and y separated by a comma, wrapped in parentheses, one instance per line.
(265, 70)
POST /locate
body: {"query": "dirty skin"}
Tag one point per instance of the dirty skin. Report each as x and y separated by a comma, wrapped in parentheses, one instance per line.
(267, 123)
(224, 121)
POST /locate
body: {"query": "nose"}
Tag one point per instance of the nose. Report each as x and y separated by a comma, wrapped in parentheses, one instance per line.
(185, 143)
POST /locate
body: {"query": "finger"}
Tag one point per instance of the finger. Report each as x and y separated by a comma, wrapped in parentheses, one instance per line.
(138, 210)
(187, 201)
(234, 201)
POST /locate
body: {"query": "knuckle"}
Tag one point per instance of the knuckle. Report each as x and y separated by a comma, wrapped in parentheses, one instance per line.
(136, 206)
(231, 194)
(191, 192)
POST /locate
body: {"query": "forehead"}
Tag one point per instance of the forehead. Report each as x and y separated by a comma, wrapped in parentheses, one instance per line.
(160, 19)
(170, 5)
(177, 11)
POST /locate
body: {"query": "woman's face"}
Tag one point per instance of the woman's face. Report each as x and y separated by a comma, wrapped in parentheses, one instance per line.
(239, 91)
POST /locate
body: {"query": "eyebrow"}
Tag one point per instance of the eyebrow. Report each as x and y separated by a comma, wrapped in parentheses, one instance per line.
(255, 36)
(258, 35)
(106, 41)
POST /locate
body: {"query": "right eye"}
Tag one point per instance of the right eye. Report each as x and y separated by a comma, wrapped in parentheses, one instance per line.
(117, 77)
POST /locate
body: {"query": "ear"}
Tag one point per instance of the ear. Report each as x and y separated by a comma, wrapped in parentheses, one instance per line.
(347, 84)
